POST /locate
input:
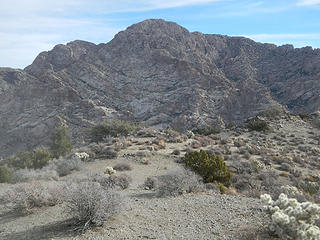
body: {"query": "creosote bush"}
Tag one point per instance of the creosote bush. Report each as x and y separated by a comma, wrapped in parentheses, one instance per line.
(210, 167)
(90, 204)
(257, 125)
(61, 142)
(114, 128)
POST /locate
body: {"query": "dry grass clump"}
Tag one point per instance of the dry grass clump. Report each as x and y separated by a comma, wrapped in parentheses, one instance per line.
(90, 204)
(123, 166)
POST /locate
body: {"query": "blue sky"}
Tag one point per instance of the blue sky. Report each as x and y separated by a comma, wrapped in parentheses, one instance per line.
(28, 27)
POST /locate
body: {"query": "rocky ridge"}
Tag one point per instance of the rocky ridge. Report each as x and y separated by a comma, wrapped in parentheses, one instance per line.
(156, 72)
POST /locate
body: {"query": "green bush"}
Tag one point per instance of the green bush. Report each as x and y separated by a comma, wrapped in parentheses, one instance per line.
(206, 131)
(40, 158)
(61, 142)
(231, 126)
(36, 159)
(271, 113)
(5, 176)
(209, 166)
(111, 128)
(257, 125)
(20, 160)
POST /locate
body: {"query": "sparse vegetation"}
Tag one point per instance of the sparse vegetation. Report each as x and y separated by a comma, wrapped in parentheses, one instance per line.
(114, 128)
(61, 142)
(211, 167)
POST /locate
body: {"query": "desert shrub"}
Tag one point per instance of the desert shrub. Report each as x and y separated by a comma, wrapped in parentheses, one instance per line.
(102, 151)
(23, 197)
(310, 188)
(316, 123)
(90, 204)
(150, 183)
(210, 167)
(61, 142)
(111, 128)
(206, 131)
(257, 125)
(64, 166)
(5, 176)
(122, 167)
(291, 219)
(177, 183)
(176, 152)
(35, 159)
(305, 116)
(121, 181)
(271, 113)
(26, 175)
(231, 126)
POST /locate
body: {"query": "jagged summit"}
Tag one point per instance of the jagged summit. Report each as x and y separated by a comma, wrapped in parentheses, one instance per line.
(156, 72)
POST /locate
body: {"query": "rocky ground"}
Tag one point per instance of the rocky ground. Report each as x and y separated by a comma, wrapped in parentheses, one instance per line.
(287, 154)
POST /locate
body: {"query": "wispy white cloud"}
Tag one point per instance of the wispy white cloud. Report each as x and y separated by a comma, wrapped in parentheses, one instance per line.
(28, 27)
(308, 2)
(297, 40)
(264, 37)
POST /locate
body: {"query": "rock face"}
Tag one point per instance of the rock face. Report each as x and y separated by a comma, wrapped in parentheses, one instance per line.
(157, 72)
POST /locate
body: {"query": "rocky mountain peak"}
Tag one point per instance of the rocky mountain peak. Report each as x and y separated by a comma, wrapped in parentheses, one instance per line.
(156, 72)
(59, 57)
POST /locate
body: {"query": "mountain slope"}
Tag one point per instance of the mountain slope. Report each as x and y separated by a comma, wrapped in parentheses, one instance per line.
(158, 72)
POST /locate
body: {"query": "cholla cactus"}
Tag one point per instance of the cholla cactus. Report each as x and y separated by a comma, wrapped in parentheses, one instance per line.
(291, 219)
(83, 156)
(109, 171)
